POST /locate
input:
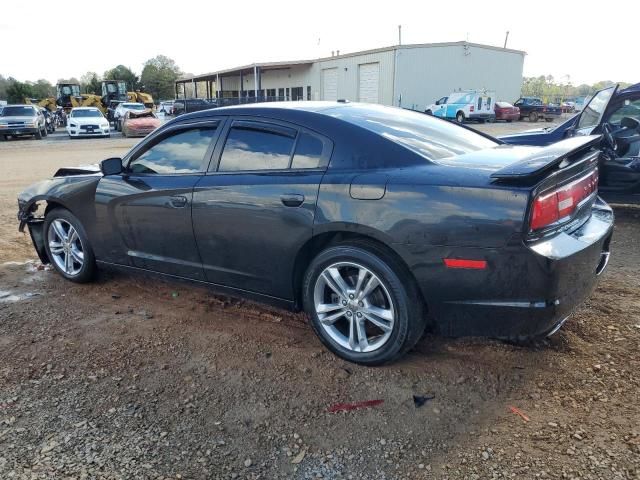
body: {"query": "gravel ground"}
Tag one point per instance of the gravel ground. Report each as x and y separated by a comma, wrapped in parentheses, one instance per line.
(134, 378)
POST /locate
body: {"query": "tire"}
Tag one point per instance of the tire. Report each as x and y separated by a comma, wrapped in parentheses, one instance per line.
(548, 120)
(396, 296)
(76, 272)
(44, 132)
(38, 135)
(509, 121)
(460, 117)
(428, 112)
(533, 117)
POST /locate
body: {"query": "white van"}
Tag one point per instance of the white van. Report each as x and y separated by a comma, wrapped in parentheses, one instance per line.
(465, 105)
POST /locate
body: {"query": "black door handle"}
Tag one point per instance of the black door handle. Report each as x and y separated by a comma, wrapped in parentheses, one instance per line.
(178, 201)
(292, 199)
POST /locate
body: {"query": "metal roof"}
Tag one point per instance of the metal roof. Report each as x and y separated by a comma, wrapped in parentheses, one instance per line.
(286, 64)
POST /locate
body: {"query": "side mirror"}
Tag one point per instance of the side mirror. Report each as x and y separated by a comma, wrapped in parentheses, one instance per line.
(111, 166)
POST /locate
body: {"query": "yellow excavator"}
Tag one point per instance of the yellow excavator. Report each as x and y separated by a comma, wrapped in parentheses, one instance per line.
(141, 97)
(68, 96)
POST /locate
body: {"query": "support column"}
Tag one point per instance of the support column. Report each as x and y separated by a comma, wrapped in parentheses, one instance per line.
(241, 91)
(218, 95)
(195, 88)
(255, 82)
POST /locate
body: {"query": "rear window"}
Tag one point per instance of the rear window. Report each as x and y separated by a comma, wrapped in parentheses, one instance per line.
(429, 137)
(504, 104)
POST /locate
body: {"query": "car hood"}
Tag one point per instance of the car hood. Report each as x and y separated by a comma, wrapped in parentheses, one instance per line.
(18, 119)
(88, 120)
(540, 136)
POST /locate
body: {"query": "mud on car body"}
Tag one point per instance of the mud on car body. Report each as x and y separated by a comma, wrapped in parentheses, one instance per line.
(377, 221)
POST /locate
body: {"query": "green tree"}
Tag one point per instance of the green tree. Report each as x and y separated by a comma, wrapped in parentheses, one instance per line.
(159, 75)
(123, 73)
(18, 91)
(4, 84)
(42, 89)
(90, 83)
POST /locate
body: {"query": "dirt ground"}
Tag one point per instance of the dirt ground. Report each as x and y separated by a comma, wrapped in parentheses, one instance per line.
(135, 378)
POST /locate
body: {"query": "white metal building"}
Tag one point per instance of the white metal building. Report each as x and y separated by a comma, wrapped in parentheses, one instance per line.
(410, 76)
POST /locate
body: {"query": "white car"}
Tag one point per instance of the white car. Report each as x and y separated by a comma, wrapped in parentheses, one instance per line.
(87, 122)
(124, 107)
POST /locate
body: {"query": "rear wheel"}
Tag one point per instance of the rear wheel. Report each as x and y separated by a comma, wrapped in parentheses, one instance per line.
(68, 247)
(533, 117)
(509, 121)
(362, 305)
(460, 117)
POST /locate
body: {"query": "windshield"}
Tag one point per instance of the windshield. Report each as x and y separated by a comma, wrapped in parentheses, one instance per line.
(85, 113)
(592, 113)
(18, 112)
(429, 137)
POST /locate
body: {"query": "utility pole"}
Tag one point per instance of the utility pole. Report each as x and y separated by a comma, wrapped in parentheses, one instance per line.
(506, 37)
(399, 34)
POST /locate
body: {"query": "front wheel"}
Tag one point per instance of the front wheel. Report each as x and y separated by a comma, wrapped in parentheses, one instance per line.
(362, 305)
(38, 135)
(428, 112)
(68, 247)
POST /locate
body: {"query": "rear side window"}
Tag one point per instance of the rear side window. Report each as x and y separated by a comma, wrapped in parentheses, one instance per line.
(180, 153)
(308, 152)
(256, 146)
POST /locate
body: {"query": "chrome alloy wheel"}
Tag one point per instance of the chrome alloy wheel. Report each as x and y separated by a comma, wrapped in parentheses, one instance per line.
(354, 307)
(65, 247)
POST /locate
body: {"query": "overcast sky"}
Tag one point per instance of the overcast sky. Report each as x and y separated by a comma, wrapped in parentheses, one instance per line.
(588, 43)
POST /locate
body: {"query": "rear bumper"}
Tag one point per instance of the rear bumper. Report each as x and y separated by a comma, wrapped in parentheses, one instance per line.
(508, 116)
(526, 289)
(481, 116)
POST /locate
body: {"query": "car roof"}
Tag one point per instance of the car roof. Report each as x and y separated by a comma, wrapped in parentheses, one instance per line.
(85, 108)
(631, 88)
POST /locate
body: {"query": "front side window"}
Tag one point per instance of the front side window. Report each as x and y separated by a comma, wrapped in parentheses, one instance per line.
(180, 153)
(592, 113)
(256, 146)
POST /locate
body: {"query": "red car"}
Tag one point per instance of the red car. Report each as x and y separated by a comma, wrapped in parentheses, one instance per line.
(506, 111)
(139, 124)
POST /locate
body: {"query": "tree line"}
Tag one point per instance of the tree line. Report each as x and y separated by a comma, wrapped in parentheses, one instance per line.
(545, 86)
(157, 78)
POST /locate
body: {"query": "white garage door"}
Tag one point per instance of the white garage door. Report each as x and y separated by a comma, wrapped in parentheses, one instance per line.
(330, 84)
(369, 81)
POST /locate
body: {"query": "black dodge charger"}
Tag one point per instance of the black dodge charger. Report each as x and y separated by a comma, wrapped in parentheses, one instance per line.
(377, 221)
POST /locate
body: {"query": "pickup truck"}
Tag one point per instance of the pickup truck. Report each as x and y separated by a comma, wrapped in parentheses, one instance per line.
(533, 108)
(19, 120)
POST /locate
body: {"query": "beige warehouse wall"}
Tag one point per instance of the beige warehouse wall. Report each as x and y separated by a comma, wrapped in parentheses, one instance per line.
(348, 74)
(425, 74)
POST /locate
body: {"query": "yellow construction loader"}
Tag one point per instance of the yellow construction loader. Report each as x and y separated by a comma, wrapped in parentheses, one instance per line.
(141, 97)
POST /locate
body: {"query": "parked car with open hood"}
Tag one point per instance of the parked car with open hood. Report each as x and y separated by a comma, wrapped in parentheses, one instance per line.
(124, 107)
(87, 122)
(139, 124)
(377, 221)
(21, 120)
(615, 114)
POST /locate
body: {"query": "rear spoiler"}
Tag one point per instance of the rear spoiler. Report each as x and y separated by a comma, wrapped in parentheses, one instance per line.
(547, 158)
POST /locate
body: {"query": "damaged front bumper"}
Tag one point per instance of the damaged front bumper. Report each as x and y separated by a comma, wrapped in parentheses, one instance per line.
(27, 217)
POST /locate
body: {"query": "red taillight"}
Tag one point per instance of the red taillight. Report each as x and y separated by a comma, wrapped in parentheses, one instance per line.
(471, 108)
(562, 202)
